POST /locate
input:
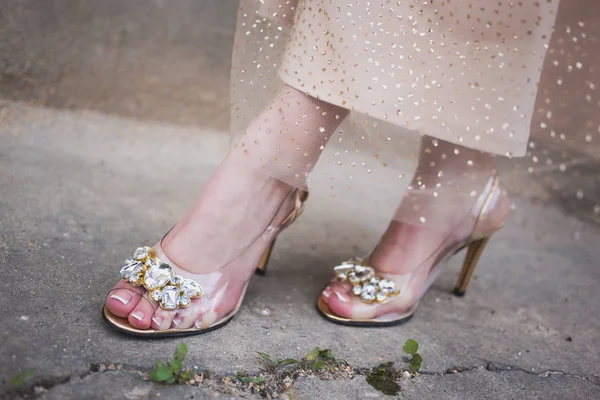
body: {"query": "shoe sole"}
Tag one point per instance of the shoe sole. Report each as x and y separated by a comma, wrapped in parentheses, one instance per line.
(122, 325)
(326, 313)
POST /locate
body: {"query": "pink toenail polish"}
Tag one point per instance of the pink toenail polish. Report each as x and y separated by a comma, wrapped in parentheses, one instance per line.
(342, 298)
(137, 315)
(121, 299)
(326, 294)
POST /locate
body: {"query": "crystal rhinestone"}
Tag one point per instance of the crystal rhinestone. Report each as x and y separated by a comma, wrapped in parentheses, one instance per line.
(135, 274)
(141, 253)
(152, 261)
(125, 271)
(137, 269)
(363, 273)
(170, 297)
(353, 278)
(176, 280)
(157, 276)
(357, 290)
(184, 301)
(156, 295)
(369, 291)
(191, 288)
(375, 280)
(387, 286)
(135, 279)
(345, 268)
(131, 267)
(381, 297)
(342, 277)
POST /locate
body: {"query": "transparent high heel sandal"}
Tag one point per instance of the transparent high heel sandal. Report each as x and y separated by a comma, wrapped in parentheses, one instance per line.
(149, 269)
(375, 289)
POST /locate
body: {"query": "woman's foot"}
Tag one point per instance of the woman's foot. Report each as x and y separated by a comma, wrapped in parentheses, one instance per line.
(241, 208)
(404, 256)
(218, 243)
(409, 251)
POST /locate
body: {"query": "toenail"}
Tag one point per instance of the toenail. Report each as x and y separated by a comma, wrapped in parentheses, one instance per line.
(177, 320)
(198, 324)
(121, 298)
(156, 321)
(137, 315)
(326, 293)
(342, 298)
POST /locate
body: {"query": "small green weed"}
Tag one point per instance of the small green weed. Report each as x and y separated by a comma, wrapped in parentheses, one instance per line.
(20, 378)
(242, 377)
(276, 362)
(318, 358)
(383, 378)
(411, 347)
(172, 372)
(271, 363)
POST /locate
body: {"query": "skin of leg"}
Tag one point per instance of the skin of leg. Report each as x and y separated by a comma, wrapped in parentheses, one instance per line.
(227, 224)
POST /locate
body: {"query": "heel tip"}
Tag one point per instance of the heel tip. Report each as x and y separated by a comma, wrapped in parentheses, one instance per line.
(459, 293)
(261, 272)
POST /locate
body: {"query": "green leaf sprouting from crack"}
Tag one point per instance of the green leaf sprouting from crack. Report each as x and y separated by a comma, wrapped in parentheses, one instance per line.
(317, 365)
(20, 378)
(318, 359)
(411, 347)
(415, 362)
(242, 377)
(265, 356)
(274, 363)
(172, 372)
(315, 361)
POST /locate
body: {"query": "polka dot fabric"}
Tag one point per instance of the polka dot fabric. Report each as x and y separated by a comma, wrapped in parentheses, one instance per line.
(510, 78)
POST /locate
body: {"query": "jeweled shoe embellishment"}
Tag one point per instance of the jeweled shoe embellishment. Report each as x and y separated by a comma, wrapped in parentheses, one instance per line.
(157, 275)
(169, 290)
(365, 282)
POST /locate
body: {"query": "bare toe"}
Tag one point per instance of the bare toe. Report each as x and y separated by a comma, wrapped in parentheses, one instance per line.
(187, 317)
(326, 294)
(162, 319)
(340, 300)
(123, 298)
(141, 316)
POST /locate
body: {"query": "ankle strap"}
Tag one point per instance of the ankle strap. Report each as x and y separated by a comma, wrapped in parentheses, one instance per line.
(301, 196)
(492, 189)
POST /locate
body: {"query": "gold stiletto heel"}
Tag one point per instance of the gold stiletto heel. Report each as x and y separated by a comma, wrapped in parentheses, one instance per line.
(301, 196)
(261, 268)
(474, 251)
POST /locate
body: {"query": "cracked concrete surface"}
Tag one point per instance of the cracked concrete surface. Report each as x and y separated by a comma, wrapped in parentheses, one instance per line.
(78, 192)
